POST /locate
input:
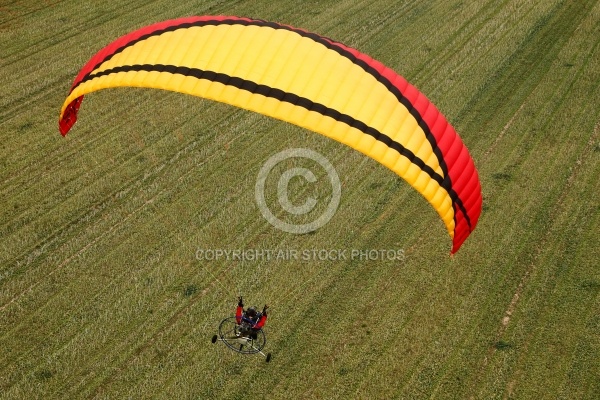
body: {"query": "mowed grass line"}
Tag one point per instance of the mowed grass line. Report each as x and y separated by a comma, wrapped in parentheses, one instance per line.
(122, 205)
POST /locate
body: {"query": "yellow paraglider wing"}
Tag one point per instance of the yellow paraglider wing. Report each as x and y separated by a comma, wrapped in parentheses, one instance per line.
(304, 79)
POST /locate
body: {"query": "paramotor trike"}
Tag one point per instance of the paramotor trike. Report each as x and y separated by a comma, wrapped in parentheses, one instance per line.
(241, 338)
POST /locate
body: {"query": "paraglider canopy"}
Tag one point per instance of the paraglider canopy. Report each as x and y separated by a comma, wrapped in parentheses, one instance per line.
(305, 79)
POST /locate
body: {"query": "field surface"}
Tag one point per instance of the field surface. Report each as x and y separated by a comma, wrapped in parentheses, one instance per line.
(105, 286)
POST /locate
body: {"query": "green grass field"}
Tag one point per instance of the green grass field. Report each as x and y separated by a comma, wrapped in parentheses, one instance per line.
(101, 291)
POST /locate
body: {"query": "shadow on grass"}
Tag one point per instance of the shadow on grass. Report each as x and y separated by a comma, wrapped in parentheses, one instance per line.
(502, 345)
